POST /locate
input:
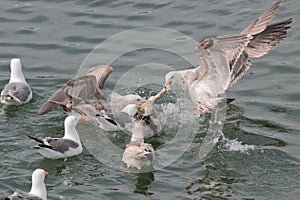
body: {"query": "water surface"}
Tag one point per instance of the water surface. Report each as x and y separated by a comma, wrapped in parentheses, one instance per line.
(258, 156)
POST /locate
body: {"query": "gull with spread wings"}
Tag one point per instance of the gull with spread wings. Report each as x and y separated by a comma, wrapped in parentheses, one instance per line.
(223, 60)
(86, 95)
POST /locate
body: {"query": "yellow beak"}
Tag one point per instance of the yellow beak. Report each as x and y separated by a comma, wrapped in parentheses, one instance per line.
(142, 106)
(46, 174)
(81, 118)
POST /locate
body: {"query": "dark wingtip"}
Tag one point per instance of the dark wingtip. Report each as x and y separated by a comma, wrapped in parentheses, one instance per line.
(228, 101)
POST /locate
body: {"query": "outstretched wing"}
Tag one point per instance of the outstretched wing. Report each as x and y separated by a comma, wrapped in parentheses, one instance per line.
(101, 73)
(80, 89)
(218, 55)
(262, 21)
(261, 44)
(264, 41)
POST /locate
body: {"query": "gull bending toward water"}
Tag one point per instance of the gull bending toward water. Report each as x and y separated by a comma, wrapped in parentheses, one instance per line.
(17, 91)
(148, 122)
(67, 146)
(223, 60)
(117, 121)
(38, 189)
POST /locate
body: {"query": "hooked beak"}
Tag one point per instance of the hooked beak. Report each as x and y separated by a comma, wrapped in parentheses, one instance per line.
(142, 106)
(46, 174)
(168, 86)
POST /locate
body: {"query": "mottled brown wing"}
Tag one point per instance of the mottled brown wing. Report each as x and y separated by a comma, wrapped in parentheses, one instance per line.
(82, 88)
(264, 41)
(218, 55)
(262, 21)
(101, 72)
(241, 66)
(261, 44)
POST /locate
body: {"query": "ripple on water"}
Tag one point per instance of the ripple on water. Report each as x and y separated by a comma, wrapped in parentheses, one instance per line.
(53, 37)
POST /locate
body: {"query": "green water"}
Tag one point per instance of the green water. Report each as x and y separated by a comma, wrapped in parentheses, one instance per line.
(258, 157)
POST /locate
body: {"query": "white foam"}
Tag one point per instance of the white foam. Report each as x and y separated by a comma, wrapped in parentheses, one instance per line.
(235, 145)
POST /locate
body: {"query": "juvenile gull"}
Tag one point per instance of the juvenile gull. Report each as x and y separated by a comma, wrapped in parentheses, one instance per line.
(67, 146)
(38, 189)
(87, 96)
(223, 60)
(78, 91)
(138, 154)
(148, 123)
(17, 91)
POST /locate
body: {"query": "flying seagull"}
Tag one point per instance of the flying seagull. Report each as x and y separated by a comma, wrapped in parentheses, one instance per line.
(223, 60)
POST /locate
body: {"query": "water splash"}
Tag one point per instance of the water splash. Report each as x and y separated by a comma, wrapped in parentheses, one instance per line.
(235, 145)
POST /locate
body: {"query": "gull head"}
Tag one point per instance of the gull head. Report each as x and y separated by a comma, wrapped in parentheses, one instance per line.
(171, 78)
(72, 120)
(38, 187)
(39, 175)
(15, 63)
(133, 99)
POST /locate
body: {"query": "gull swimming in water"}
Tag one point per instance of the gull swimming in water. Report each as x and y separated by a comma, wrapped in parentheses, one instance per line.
(38, 189)
(87, 96)
(223, 60)
(138, 154)
(117, 121)
(69, 145)
(17, 91)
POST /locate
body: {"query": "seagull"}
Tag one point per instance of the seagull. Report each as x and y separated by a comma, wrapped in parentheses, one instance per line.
(87, 96)
(117, 121)
(223, 60)
(69, 145)
(148, 123)
(17, 91)
(138, 154)
(78, 91)
(38, 189)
